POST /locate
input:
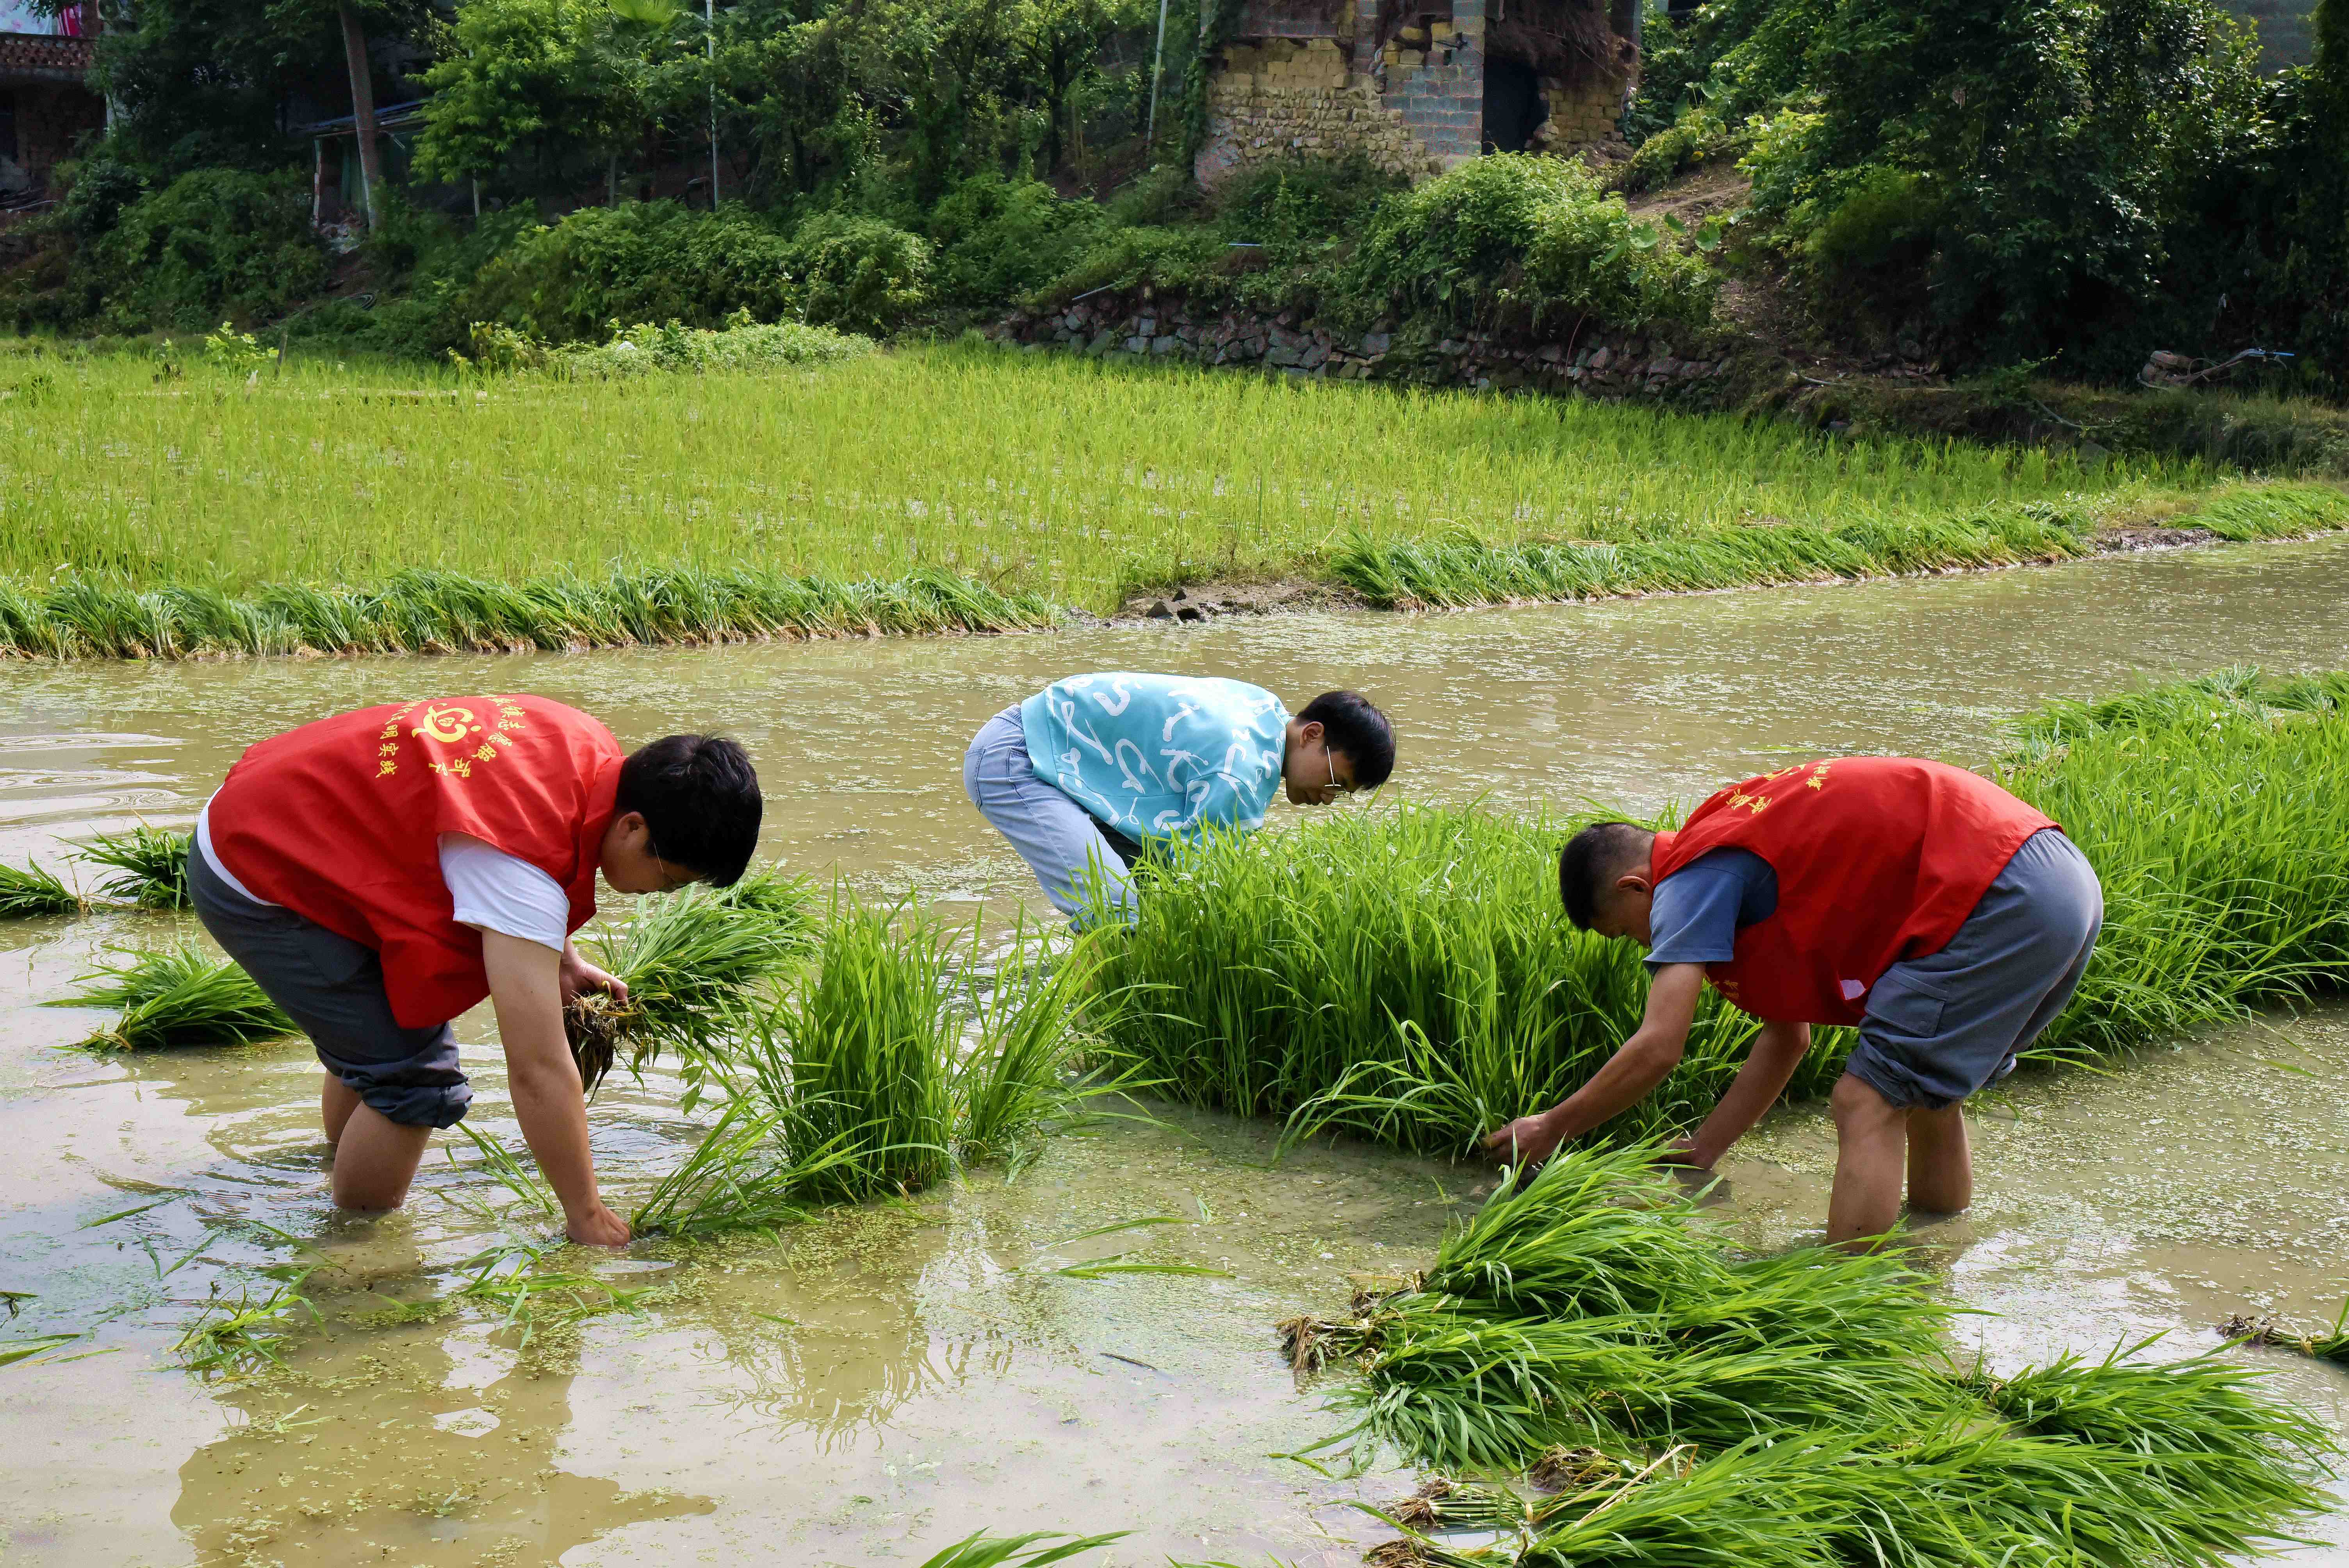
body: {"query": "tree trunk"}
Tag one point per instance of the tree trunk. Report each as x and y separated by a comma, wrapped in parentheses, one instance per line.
(354, 54)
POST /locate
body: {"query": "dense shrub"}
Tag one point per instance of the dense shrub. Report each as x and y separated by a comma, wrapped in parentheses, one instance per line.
(652, 261)
(865, 275)
(1520, 235)
(99, 188)
(998, 239)
(214, 243)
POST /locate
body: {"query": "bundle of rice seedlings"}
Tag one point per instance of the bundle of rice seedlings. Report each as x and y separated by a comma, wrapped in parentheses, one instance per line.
(1587, 1314)
(150, 866)
(691, 960)
(29, 891)
(857, 1055)
(179, 997)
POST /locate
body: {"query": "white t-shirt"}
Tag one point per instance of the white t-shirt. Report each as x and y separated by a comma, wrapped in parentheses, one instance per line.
(493, 890)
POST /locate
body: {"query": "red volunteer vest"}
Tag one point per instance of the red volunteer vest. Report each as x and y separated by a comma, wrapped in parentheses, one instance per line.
(1878, 859)
(340, 821)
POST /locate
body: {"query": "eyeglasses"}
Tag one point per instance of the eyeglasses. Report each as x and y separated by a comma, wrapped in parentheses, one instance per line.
(1332, 761)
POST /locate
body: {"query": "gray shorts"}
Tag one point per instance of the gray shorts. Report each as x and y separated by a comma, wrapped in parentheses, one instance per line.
(1074, 855)
(333, 987)
(1940, 1027)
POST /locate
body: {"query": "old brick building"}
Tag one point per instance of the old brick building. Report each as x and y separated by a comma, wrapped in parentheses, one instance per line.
(1418, 85)
(46, 104)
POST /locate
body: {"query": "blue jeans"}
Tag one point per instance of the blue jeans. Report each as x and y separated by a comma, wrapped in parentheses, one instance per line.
(1075, 862)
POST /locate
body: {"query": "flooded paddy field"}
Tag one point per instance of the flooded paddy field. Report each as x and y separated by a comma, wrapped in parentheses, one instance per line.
(879, 1384)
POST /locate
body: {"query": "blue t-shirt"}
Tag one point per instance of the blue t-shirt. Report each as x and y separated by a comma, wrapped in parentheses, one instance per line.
(1699, 909)
(1159, 755)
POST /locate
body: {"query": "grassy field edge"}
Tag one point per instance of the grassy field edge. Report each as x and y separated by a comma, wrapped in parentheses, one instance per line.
(426, 610)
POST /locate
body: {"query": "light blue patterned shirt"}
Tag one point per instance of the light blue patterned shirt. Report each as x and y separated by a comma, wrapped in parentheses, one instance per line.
(1159, 755)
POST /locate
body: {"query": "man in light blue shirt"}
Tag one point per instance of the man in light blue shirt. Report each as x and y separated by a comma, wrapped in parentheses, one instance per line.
(1085, 772)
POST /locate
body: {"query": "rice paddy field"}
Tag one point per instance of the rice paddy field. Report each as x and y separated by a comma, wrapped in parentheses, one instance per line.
(954, 489)
(911, 1287)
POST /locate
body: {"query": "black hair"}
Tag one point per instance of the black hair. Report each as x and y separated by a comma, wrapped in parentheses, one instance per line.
(1591, 861)
(1349, 724)
(700, 798)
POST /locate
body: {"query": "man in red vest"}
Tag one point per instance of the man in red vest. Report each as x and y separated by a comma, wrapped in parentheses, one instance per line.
(1948, 920)
(379, 872)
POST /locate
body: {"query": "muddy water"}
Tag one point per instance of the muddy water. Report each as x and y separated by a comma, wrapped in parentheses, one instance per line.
(868, 1390)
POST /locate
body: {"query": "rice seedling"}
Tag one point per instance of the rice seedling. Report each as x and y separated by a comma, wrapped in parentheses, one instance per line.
(14, 1352)
(180, 996)
(1034, 1550)
(150, 867)
(240, 1337)
(940, 488)
(741, 1176)
(691, 959)
(526, 1300)
(27, 892)
(1020, 1073)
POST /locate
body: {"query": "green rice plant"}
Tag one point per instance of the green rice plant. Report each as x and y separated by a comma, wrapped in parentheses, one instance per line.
(240, 1337)
(27, 891)
(1022, 1071)
(150, 866)
(741, 1176)
(1030, 1550)
(14, 1352)
(857, 1055)
(180, 996)
(691, 961)
(525, 1299)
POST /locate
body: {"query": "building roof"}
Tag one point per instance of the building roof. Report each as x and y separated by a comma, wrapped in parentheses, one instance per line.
(50, 56)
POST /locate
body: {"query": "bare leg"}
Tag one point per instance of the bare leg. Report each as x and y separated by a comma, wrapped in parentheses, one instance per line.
(376, 1158)
(1940, 1163)
(336, 1101)
(1871, 1144)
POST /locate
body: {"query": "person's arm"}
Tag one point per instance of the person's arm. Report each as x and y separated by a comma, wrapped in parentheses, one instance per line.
(1637, 1066)
(1778, 1050)
(526, 985)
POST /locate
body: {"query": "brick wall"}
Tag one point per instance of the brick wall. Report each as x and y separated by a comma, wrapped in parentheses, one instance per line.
(1282, 98)
(1414, 104)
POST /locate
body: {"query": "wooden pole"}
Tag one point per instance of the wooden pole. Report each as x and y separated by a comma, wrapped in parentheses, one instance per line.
(355, 55)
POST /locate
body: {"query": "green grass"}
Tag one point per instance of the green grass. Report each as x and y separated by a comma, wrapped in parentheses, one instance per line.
(149, 867)
(180, 996)
(1408, 974)
(1689, 1406)
(948, 489)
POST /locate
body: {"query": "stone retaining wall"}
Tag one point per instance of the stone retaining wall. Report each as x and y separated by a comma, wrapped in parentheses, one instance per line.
(1597, 361)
